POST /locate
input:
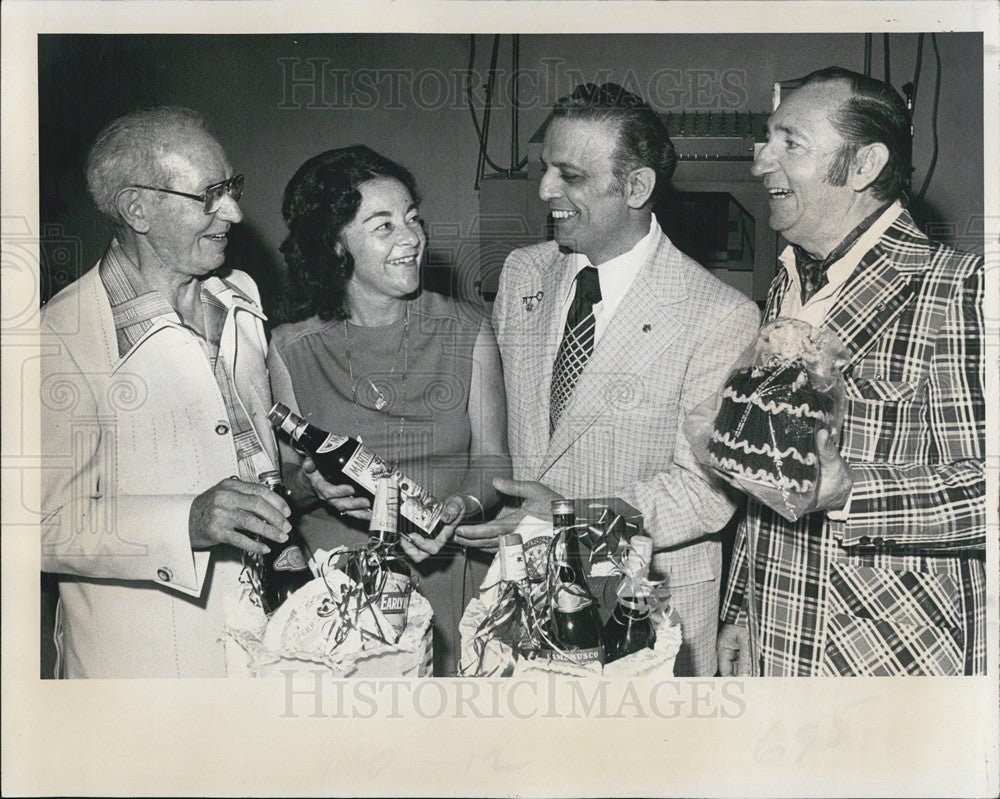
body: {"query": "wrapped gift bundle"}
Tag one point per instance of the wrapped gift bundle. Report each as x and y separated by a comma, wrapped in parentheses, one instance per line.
(759, 432)
(655, 663)
(487, 649)
(330, 624)
(496, 658)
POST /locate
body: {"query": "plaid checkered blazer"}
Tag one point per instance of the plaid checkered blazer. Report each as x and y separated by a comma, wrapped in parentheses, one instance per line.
(668, 347)
(899, 587)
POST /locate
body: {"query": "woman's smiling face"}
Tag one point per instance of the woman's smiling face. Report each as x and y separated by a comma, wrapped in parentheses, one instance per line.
(386, 240)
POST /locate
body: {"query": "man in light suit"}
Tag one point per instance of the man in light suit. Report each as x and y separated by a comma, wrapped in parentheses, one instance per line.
(154, 397)
(662, 334)
(886, 575)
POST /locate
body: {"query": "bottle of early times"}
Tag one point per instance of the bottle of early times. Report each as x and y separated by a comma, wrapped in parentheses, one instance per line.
(341, 460)
(285, 568)
(629, 626)
(387, 581)
(576, 623)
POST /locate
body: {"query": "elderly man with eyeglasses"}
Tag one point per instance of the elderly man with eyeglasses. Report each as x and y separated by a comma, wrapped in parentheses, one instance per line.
(154, 397)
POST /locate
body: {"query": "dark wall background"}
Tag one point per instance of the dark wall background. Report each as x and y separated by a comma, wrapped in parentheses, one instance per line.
(275, 100)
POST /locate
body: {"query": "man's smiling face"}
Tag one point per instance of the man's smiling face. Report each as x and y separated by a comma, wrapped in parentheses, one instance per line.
(587, 202)
(795, 164)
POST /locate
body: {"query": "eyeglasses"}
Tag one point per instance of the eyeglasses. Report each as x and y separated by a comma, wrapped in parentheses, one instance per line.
(212, 196)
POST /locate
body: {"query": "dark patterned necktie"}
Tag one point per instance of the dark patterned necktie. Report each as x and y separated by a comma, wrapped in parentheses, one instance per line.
(577, 343)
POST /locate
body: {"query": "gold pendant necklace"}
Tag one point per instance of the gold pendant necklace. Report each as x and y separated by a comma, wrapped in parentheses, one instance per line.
(381, 403)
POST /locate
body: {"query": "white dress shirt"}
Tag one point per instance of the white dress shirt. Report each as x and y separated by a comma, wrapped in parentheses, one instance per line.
(615, 277)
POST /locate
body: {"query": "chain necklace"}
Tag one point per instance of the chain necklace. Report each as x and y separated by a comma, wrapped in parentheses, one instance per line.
(381, 403)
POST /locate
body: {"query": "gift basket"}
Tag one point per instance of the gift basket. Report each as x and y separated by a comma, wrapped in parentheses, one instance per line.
(334, 623)
(361, 615)
(537, 613)
(759, 432)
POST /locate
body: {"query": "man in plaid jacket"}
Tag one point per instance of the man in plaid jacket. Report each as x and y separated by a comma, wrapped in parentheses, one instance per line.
(886, 575)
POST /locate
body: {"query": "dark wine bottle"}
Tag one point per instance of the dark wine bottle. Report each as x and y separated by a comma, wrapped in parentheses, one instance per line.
(342, 460)
(629, 626)
(284, 569)
(387, 580)
(576, 623)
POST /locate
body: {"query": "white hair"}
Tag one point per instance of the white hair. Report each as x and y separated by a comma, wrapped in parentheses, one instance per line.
(128, 151)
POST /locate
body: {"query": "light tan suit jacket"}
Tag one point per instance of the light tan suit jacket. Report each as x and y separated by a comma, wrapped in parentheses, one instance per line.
(668, 347)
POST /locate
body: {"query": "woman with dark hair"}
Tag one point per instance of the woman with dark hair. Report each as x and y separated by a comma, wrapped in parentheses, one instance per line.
(365, 352)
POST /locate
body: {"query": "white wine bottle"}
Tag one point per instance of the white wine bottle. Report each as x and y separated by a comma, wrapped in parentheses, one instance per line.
(521, 633)
(387, 581)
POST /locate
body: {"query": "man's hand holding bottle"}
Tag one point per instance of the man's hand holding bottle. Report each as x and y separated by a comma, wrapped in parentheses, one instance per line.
(233, 509)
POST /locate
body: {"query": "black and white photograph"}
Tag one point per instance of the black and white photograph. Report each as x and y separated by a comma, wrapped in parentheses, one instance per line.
(500, 398)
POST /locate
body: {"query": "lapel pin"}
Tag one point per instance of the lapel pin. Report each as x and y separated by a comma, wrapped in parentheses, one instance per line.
(532, 300)
(646, 328)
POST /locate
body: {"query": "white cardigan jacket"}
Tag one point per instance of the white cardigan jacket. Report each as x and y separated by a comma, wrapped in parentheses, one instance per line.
(127, 444)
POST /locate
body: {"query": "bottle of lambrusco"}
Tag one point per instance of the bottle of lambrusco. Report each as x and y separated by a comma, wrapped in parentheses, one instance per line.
(345, 460)
(387, 581)
(285, 568)
(629, 626)
(520, 633)
(576, 623)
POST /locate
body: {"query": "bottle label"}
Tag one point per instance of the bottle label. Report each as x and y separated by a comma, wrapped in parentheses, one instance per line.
(512, 568)
(291, 559)
(535, 555)
(331, 443)
(364, 468)
(591, 655)
(394, 601)
(595, 655)
(571, 598)
(385, 506)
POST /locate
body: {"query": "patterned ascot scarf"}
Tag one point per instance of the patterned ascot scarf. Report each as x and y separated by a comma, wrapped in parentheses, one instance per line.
(812, 272)
(134, 309)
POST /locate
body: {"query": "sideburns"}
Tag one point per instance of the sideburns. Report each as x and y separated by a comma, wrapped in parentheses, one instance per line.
(841, 165)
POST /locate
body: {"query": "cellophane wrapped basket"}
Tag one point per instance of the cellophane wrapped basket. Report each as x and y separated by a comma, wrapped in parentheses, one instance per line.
(759, 432)
(489, 622)
(329, 624)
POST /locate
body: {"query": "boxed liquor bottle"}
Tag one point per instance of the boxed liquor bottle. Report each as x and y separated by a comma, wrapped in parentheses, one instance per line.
(611, 523)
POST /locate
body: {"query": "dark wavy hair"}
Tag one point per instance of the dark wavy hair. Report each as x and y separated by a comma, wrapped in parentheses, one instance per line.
(322, 197)
(642, 137)
(873, 113)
